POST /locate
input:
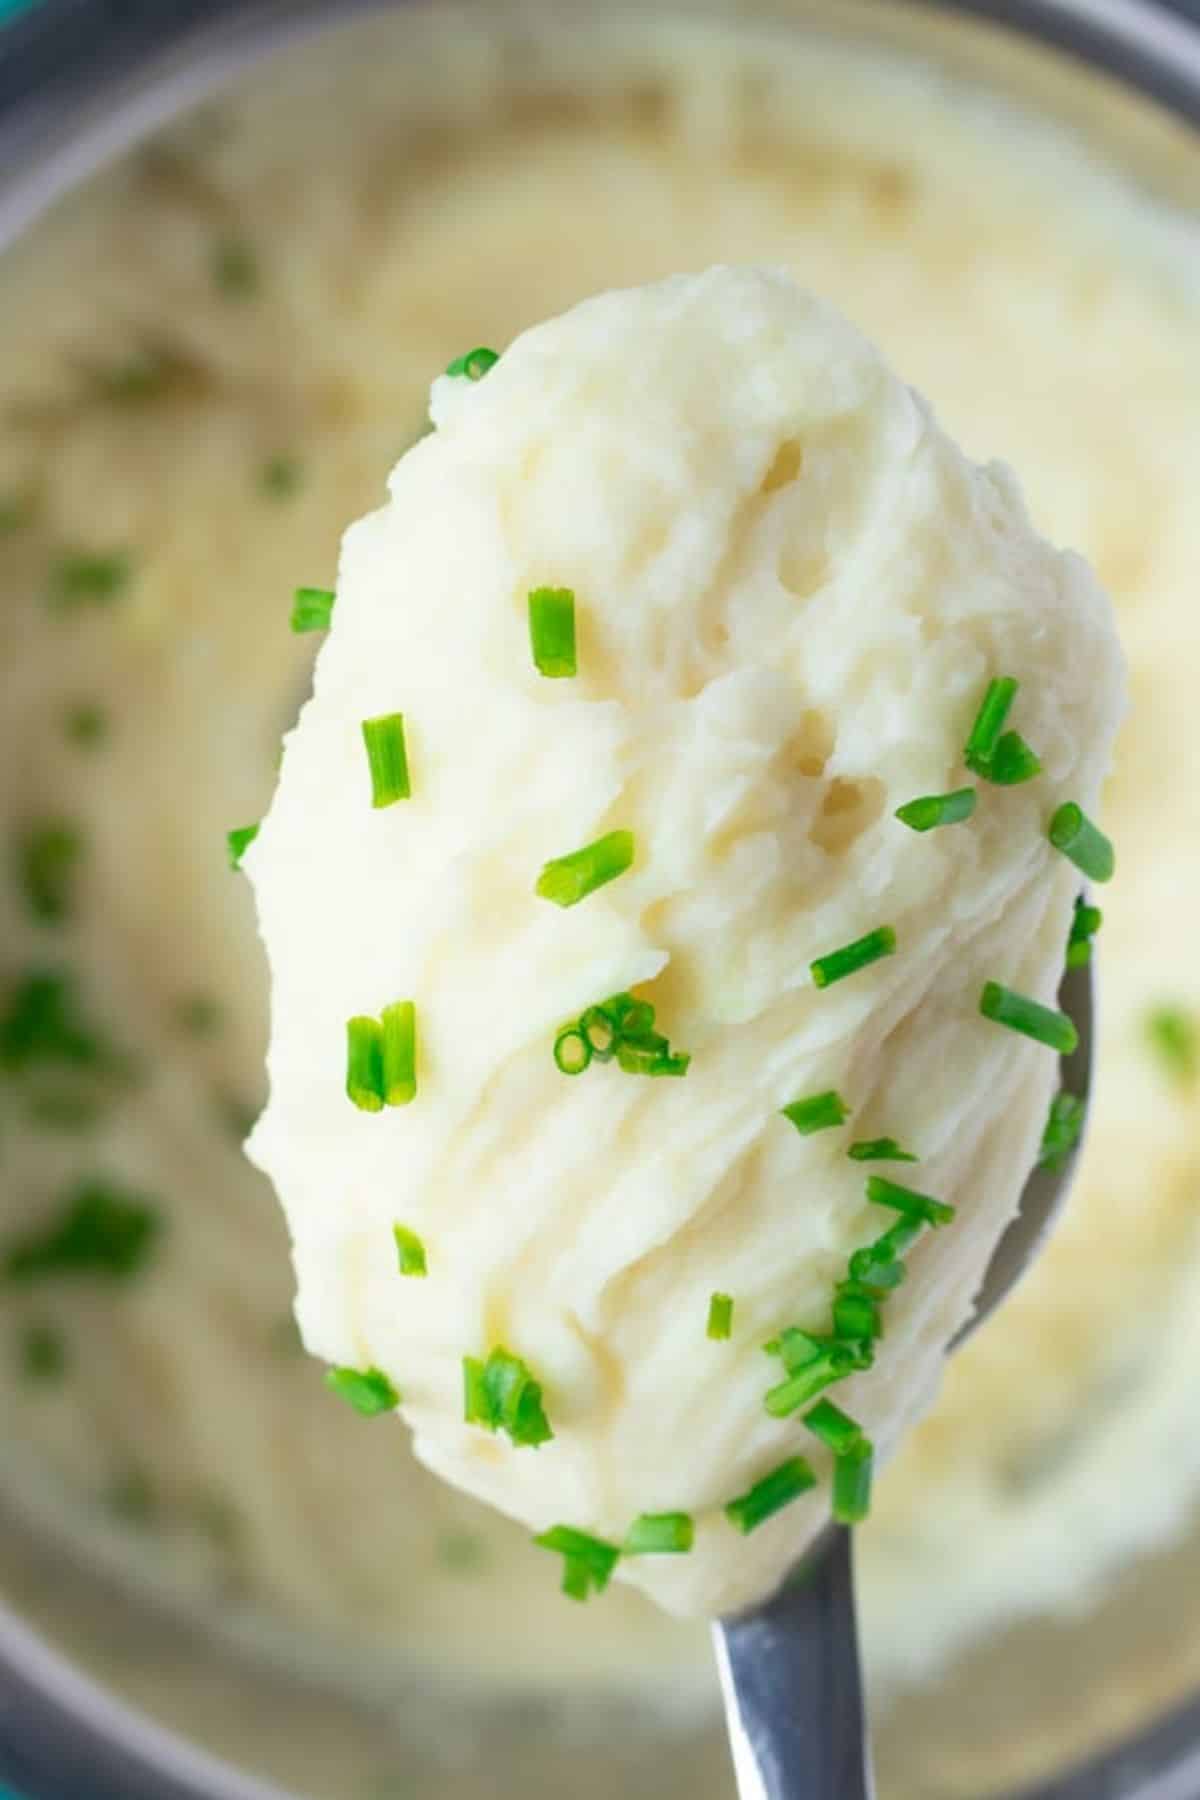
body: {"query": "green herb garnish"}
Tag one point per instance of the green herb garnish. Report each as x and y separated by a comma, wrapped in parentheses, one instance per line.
(660, 1534)
(770, 1495)
(100, 1231)
(836, 1429)
(853, 957)
(572, 1052)
(82, 578)
(1085, 923)
(833, 1362)
(312, 609)
(43, 1024)
(620, 1028)
(235, 269)
(720, 1316)
(502, 1395)
(1081, 842)
(1012, 762)
(475, 364)
(879, 1265)
(852, 1476)
(933, 810)
(43, 1353)
(588, 1562)
(399, 1050)
(856, 1316)
(364, 1063)
(410, 1251)
(387, 758)
(1041, 1023)
(1175, 1037)
(239, 841)
(86, 724)
(1063, 1126)
(569, 879)
(48, 858)
(368, 1391)
(281, 476)
(552, 631)
(913, 1206)
(819, 1112)
(989, 723)
(884, 1149)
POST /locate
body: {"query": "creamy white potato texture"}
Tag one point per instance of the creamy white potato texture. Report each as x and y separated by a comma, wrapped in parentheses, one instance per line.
(791, 592)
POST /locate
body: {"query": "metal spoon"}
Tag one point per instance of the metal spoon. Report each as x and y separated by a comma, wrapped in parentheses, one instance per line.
(790, 1673)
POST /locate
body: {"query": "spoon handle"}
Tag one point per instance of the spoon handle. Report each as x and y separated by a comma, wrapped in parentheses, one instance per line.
(792, 1686)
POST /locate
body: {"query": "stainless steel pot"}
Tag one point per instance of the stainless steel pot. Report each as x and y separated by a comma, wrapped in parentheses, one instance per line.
(102, 1697)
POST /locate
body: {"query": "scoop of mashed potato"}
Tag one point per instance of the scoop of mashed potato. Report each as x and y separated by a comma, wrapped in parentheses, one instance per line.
(791, 592)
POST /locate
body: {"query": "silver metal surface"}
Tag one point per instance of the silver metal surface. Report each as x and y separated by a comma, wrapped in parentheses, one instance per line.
(790, 1671)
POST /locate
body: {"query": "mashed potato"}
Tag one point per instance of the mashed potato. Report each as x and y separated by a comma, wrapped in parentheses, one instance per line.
(791, 592)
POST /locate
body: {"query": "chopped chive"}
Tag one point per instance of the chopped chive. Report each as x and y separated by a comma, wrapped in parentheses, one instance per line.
(99, 1231)
(798, 1350)
(836, 1429)
(239, 841)
(1063, 1127)
(364, 1063)
(770, 1495)
(651, 1058)
(884, 1149)
(48, 858)
(86, 724)
(43, 1024)
(720, 1316)
(932, 810)
(856, 1313)
(399, 1053)
(368, 1391)
(552, 631)
(833, 1363)
(1085, 923)
(1042, 1023)
(588, 1562)
(1012, 762)
(598, 1029)
(410, 1251)
(660, 1534)
(567, 880)
(1082, 843)
(1175, 1037)
(235, 269)
(43, 1353)
(312, 609)
(852, 1476)
(879, 1273)
(474, 364)
(282, 476)
(502, 1395)
(852, 957)
(387, 757)
(80, 578)
(819, 1112)
(634, 1019)
(913, 1206)
(572, 1050)
(989, 723)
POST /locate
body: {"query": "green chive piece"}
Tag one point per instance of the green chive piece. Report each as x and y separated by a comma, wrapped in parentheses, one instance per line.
(855, 1313)
(86, 724)
(1012, 762)
(660, 1534)
(475, 364)
(552, 631)
(588, 1562)
(81, 578)
(884, 1149)
(852, 1477)
(652, 1059)
(933, 810)
(502, 1395)
(368, 1391)
(567, 880)
(43, 1024)
(879, 1265)
(1085, 923)
(399, 1053)
(312, 609)
(410, 1251)
(989, 723)
(598, 1027)
(720, 1316)
(100, 1231)
(235, 269)
(239, 841)
(833, 1363)
(817, 1113)
(1082, 843)
(836, 1429)
(770, 1495)
(853, 957)
(1175, 1037)
(387, 756)
(913, 1206)
(43, 1353)
(48, 859)
(364, 1063)
(1063, 1127)
(282, 476)
(572, 1050)
(799, 1349)
(1042, 1023)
